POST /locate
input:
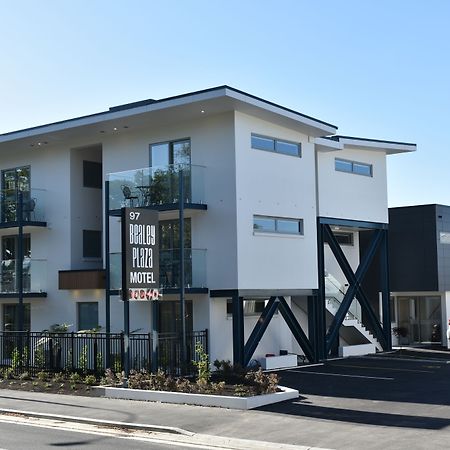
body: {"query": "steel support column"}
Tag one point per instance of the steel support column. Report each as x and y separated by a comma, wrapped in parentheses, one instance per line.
(385, 291)
(182, 283)
(107, 279)
(238, 329)
(319, 303)
(259, 329)
(354, 289)
(295, 328)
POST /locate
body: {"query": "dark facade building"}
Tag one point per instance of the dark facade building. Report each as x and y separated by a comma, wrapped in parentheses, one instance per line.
(419, 267)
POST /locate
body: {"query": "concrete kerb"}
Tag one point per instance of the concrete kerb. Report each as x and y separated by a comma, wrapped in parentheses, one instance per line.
(99, 422)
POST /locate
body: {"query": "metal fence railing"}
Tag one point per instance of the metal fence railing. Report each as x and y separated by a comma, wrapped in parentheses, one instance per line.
(34, 352)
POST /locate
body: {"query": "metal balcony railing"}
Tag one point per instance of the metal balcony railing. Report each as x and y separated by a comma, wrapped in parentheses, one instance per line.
(34, 273)
(33, 209)
(151, 186)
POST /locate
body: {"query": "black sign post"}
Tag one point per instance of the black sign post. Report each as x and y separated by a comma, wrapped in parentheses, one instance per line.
(140, 264)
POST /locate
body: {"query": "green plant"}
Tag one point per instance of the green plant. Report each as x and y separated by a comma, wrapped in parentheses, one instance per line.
(83, 360)
(240, 390)
(99, 361)
(202, 364)
(75, 377)
(7, 373)
(42, 376)
(39, 358)
(15, 358)
(58, 377)
(90, 380)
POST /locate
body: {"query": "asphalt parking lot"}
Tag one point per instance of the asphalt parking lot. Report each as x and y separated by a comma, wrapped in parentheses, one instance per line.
(395, 400)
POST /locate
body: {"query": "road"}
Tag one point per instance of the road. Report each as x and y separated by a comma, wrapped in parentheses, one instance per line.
(19, 436)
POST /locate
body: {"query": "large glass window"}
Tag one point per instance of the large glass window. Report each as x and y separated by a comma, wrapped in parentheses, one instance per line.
(279, 225)
(174, 152)
(87, 315)
(359, 168)
(276, 145)
(12, 182)
(11, 317)
(9, 266)
(252, 307)
(169, 317)
(169, 254)
(92, 174)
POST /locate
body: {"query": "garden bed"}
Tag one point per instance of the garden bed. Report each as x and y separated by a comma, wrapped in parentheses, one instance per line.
(224, 401)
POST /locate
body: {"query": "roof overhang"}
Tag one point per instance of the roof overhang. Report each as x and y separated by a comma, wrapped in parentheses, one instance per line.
(388, 147)
(163, 112)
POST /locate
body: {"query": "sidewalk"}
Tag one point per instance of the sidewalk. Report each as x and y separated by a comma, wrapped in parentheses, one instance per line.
(253, 425)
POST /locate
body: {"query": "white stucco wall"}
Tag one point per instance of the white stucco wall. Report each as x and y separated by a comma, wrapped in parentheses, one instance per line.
(350, 196)
(272, 184)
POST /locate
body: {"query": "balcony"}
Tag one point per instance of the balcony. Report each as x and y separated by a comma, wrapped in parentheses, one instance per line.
(157, 187)
(33, 210)
(169, 270)
(34, 277)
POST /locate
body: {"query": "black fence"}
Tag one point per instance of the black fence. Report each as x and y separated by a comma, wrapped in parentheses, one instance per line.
(88, 352)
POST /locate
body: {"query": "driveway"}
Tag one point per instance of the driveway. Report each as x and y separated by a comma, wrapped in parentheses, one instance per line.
(396, 400)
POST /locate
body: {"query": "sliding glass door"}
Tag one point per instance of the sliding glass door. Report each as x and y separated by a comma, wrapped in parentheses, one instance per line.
(12, 182)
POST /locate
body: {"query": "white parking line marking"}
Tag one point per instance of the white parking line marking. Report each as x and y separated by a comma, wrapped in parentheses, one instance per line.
(342, 375)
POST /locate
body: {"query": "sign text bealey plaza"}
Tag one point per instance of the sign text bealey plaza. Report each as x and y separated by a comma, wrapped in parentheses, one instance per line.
(140, 254)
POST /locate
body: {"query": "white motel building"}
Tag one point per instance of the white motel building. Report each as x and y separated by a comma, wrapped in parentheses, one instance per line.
(282, 220)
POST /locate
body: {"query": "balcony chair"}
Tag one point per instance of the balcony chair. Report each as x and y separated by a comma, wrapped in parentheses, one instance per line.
(128, 195)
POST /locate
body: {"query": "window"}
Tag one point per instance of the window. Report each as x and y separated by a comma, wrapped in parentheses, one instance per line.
(11, 317)
(92, 174)
(166, 153)
(277, 225)
(13, 181)
(87, 315)
(169, 317)
(343, 238)
(343, 165)
(276, 145)
(9, 275)
(252, 307)
(92, 244)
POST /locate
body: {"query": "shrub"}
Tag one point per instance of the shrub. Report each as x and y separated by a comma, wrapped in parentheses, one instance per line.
(90, 380)
(263, 383)
(202, 365)
(7, 373)
(75, 377)
(58, 377)
(42, 376)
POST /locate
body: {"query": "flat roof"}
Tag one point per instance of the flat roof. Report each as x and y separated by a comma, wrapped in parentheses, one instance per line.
(148, 105)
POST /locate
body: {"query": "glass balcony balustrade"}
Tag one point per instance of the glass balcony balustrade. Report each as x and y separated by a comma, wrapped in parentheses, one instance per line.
(34, 275)
(169, 269)
(153, 186)
(33, 209)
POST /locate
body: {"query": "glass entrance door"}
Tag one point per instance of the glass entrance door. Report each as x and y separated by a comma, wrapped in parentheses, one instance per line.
(420, 316)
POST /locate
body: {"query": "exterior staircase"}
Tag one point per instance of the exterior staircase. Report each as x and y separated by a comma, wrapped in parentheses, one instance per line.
(353, 330)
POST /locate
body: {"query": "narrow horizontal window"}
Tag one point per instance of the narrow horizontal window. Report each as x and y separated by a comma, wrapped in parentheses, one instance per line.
(251, 307)
(279, 225)
(343, 238)
(343, 165)
(262, 143)
(276, 145)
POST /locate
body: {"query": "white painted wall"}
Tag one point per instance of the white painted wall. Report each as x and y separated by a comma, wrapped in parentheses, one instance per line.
(350, 196)
(278, 185)
(277, 336)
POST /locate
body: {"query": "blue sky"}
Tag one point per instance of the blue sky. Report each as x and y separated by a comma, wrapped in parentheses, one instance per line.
(378, 69)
